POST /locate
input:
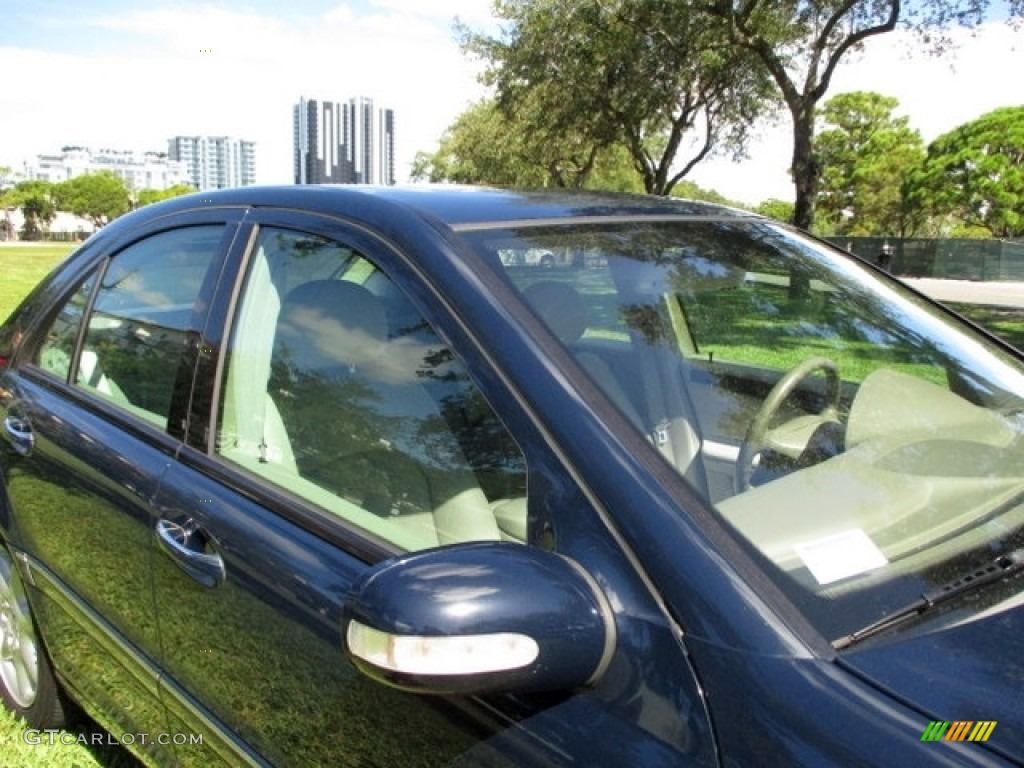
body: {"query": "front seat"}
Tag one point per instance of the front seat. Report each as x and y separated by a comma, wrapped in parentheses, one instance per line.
(565, 314)
(358, 421)
(564, 311)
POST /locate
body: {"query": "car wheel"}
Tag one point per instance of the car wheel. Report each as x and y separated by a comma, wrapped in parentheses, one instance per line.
(27, 684)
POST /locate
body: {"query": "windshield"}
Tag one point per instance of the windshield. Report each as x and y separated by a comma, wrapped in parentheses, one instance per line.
(870, 447)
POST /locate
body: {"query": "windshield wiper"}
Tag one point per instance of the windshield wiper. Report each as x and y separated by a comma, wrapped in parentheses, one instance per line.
(998, 569)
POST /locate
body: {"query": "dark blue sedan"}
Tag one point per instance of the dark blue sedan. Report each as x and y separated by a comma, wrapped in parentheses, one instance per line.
(441, 476)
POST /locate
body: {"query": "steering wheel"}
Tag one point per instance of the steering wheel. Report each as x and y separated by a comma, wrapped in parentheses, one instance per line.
(753, 442)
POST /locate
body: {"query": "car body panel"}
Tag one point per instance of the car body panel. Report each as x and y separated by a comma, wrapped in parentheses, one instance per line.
(83, 508)
(272, 635)
(917, 669)
(783, 696)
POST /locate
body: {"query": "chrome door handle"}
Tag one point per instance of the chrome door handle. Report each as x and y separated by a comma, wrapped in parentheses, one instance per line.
(180, 543)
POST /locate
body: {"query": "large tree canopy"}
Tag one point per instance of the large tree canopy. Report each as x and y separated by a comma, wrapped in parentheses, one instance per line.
(487, 146)
(99, 197)
(647, 74)
(866, 154)
(676, 81)
(976, 173)
(801, 43)
(484, 146)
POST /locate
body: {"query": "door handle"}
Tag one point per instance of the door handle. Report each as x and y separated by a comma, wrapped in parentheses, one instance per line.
(184, 544)
(19, 435)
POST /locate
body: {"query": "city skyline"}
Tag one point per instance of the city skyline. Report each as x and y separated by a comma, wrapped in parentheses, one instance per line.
(202, 162)
(199, 68)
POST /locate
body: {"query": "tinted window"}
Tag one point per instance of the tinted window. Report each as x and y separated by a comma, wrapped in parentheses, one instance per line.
(135, 335)
(339, 391)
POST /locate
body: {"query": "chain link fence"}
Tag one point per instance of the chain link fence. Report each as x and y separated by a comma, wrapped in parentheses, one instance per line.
(942, 258)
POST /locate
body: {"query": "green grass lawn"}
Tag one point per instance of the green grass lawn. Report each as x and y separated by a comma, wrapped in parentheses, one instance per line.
(22, 267)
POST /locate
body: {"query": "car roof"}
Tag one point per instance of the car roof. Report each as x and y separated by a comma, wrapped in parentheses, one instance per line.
(452, 205)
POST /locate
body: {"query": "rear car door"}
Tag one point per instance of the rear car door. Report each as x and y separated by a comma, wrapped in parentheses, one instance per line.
(343, 430)
(94, 415)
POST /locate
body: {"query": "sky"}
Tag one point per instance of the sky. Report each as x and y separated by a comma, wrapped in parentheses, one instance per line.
(121, 74)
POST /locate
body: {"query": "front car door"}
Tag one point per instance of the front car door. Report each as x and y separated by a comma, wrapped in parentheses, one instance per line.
(345, 430)
(98, 395)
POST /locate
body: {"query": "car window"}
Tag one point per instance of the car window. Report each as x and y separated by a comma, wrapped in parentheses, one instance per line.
(338, 391)
(134, 337)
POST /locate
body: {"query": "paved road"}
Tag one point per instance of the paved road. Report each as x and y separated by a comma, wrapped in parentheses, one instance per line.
(1005, 294)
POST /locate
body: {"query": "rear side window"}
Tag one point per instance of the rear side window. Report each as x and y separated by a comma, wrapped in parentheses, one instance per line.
(141, 309)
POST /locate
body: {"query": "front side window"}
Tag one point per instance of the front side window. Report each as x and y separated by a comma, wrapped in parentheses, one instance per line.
(338, 391)
(868, 447)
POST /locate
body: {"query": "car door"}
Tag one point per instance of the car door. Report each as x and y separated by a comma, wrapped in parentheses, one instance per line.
(97, 401)
(344, 430)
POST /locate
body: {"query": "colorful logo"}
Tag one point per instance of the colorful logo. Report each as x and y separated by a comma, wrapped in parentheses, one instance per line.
(958, 730)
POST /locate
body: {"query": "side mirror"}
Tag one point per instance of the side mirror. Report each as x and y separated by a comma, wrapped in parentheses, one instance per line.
(479, 618)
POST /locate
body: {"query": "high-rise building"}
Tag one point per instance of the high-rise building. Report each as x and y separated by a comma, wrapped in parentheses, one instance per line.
(347, 142)
(215, 162)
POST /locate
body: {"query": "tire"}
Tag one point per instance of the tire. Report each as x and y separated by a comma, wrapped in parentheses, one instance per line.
(28, 687)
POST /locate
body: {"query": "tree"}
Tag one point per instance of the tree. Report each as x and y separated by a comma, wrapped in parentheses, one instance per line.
(99, 197)
(147, 196)
(801, 43)
(693, 191)
(645, 74)
(780, 210)
(976, 173)
(482, 147)
(35, 198)
(866, 154)
(486, 146)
